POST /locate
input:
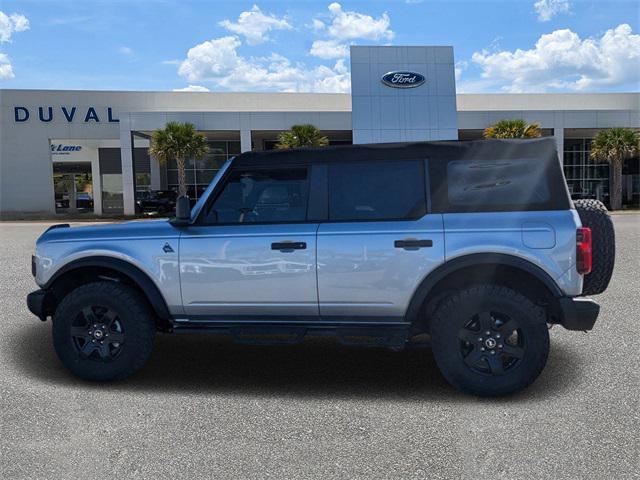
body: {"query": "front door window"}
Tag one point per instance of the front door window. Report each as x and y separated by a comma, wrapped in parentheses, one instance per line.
(262, 196)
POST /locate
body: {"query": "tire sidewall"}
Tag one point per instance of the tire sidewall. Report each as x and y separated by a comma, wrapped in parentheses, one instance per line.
(135, 321)
(594, 214)
(456, 312)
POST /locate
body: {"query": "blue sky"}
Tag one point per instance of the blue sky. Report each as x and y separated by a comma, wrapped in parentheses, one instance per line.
(500, 46)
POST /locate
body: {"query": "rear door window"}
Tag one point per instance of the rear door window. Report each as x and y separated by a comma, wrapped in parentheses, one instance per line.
(385, 190)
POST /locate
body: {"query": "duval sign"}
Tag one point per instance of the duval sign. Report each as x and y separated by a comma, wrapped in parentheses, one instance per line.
(403, 79)
(69, 114)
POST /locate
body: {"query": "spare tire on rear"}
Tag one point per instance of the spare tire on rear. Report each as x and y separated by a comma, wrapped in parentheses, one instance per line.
(594, 214)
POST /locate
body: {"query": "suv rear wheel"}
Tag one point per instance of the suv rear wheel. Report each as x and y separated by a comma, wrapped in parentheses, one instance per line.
(103, 331)
(489, 340)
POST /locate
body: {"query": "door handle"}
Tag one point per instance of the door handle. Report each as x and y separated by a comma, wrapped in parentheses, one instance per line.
(288, 246)
(413, 244)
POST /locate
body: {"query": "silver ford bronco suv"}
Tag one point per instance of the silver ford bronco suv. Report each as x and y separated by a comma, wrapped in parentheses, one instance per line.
(474, 248)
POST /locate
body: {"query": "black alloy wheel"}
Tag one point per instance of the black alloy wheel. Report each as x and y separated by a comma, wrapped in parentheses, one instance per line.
(98, 333)
(491, 343)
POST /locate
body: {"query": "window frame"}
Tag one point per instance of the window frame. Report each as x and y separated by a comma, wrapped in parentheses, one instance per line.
(219, 188)
(423, 164)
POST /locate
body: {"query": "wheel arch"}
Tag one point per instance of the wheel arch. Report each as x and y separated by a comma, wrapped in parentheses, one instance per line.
(473, 268)
(102, 267)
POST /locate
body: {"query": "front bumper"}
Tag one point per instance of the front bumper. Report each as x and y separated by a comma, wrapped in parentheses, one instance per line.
(578, 313)
(38, 304)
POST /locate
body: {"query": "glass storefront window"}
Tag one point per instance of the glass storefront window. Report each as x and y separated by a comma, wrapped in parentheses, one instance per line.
(586, 178)
(172, 164)
(143, 182)
(200, 172)
(73, 187)
(211, 161)
(112, 200)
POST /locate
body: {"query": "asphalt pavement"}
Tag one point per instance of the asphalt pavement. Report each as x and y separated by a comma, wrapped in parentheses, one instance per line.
(204, 407)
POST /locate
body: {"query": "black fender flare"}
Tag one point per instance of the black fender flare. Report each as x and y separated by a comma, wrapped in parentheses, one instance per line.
(141, 279)
(471, 260)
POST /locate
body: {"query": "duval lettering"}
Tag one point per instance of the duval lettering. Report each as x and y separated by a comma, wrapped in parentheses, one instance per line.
(47, 114)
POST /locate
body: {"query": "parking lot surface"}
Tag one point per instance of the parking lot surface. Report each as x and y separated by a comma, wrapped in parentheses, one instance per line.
(205, 407)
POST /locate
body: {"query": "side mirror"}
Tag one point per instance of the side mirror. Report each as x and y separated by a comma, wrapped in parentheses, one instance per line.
(183, 211)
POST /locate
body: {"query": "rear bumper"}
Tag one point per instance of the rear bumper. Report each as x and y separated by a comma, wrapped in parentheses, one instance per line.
(579, 313)
(36, 302)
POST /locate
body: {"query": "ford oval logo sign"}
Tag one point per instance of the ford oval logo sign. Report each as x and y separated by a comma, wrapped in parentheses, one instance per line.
(403, 79)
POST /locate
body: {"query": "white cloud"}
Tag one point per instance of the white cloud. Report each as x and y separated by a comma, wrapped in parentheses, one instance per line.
(254, 25)
(460, 67)
(328, 49)
(317, 25)
(218, 61)
(331, 80)
(125, 51)
(345, 26)
(561, 60)
(6, 70)
(352, 25)
(9, 24)
(211, 59)
(547, 9)
(192, 88)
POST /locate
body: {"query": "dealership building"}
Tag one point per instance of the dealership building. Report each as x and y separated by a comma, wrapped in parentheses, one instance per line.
(86, 151)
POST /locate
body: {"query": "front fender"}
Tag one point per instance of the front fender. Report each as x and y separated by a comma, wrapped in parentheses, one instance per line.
(139, 277)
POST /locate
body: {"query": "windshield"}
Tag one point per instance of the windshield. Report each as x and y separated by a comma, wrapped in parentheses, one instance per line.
(203, 198)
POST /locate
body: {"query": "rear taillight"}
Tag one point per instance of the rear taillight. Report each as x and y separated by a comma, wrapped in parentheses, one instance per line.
(584, 253)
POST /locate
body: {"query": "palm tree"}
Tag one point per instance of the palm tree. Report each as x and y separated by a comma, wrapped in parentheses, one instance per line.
(516, 128)
(178, 141)
(301, 136)
(614, 146)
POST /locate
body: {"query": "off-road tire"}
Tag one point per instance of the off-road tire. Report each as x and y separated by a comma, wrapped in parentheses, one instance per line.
(454, 313)
(594, 214)
(132, 316)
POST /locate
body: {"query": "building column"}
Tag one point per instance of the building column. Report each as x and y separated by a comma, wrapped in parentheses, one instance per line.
(245, 140)
(126, 158)
(96, 182)
(155, 173)
(558, 134)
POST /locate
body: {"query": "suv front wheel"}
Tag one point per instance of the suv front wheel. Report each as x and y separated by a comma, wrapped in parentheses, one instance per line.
(103, 331)
(489, 340)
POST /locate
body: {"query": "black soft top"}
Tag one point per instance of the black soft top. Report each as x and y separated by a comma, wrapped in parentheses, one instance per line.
(543, 149)
(464, 176)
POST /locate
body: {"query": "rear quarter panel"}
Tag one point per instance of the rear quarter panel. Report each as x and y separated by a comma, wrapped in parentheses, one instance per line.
(544, 238)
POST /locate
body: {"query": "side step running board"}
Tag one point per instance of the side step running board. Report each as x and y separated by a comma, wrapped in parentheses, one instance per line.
(268, 336)
(392, 336)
